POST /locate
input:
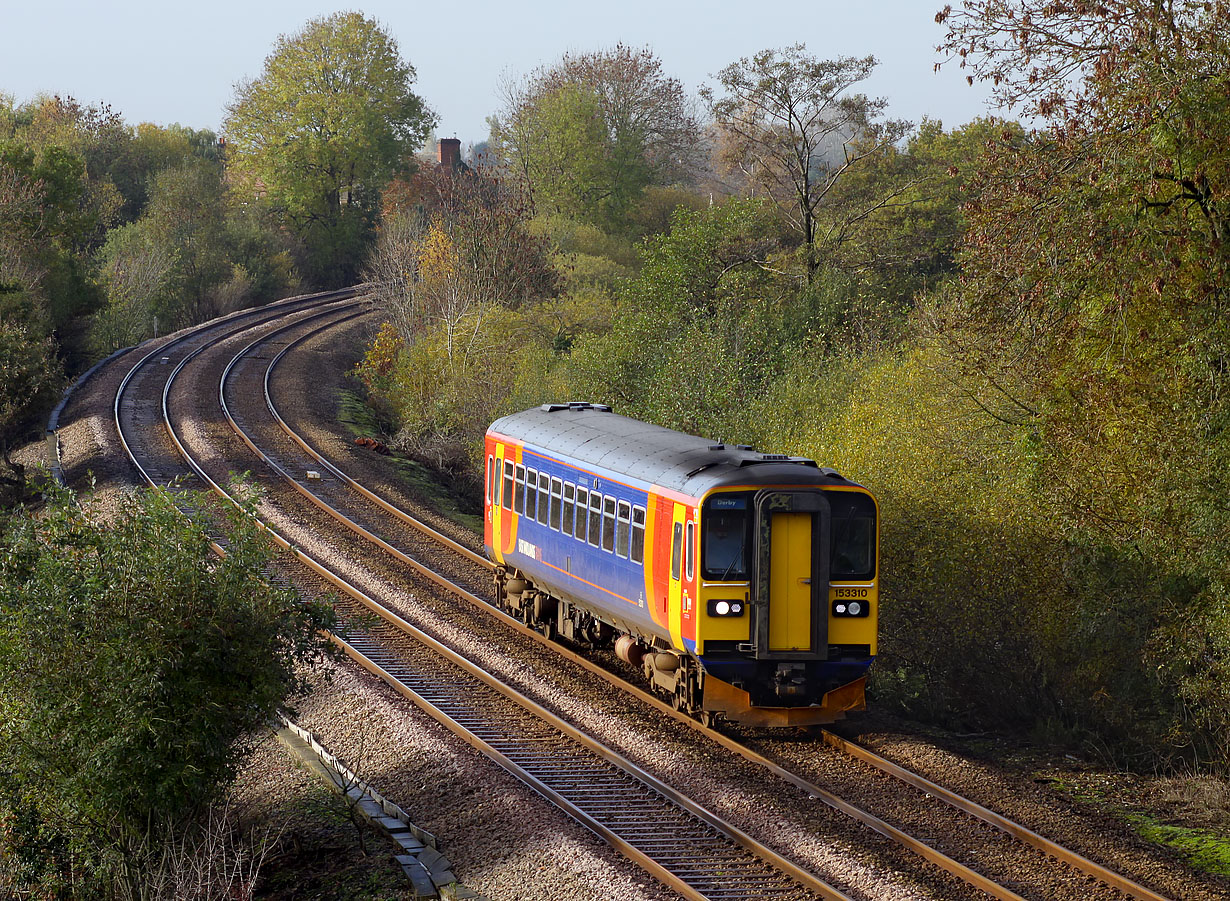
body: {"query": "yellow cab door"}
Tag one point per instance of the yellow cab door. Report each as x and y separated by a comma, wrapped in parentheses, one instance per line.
(790, 582)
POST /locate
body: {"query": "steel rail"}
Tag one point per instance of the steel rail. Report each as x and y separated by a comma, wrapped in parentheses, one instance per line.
(806, 880)
(1021, 833)
(405, 517)
(257, 317)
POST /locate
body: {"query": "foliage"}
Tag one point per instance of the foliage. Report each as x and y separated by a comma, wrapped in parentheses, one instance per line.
(455, 266)
(166, 658)
(323, 159)
(1092, 307)
(591, 133)
(698, 331)
(193, 255)
(29, 382)
(789, 124)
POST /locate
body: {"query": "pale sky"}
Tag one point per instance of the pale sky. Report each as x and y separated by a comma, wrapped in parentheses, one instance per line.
(167, 62)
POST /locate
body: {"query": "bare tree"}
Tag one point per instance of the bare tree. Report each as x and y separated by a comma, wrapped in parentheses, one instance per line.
(790, 125)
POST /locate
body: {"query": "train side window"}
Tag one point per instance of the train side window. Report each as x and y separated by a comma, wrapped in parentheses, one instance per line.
(531, 493)
(677, 550)
(519, 495)
(570, 494)
(557, 491)
(490, 478)
(638, 535)
(622, 529)
(690, 550)
(508, 484)
(595, 517)
(544, 497)
(608, 523)
(582, 515)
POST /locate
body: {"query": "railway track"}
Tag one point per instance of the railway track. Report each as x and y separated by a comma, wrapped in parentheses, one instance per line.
(644, 818)
(371, 520)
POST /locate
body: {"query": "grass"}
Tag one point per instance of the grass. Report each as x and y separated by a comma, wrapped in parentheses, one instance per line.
(420, 481)
(1204, 850)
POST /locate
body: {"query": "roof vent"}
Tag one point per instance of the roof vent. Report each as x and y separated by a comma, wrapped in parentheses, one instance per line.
(775, 458)
(717, 447)
(744, 447)
(575, 405)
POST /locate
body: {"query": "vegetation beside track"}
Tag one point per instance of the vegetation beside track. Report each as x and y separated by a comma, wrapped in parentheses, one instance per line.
(135, 666)
(1016, 337)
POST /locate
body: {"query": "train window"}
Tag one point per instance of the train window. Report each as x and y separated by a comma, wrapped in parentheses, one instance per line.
(531, 493)
(595, 517)
(622, 530)
(490, 478)
(582, 515)
(853, 548)
(638, 534)
(608, 524)
(676, 550)
(508, 484)
(570, 493)
(544, 497)
(519, 495)
(725, 542)
(557, 490)
(690, 550)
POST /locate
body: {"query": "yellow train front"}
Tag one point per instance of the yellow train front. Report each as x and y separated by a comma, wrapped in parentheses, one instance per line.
(744, 585)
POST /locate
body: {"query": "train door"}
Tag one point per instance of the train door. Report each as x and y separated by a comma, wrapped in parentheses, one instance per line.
(497, 522)
(790, 586)
(790, 581)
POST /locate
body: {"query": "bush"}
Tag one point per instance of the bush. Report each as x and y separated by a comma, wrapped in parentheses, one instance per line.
(133, 665)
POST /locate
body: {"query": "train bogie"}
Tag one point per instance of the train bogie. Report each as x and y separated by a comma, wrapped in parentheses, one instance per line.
(743, 585)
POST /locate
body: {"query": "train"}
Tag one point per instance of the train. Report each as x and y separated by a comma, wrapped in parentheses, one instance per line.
(742, 585)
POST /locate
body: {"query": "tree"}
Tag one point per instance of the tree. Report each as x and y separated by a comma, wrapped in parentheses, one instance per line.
(789, 125)
(166, 658)
(591, 132)
(454, 265)
(330, 120)
(1091, 316)
(29, 382)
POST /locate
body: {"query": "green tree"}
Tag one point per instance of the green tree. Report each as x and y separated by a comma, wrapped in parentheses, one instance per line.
(166, 659)
(330, 120)
(592, 132)
(700, 330)
(29, 381)
(790, 126)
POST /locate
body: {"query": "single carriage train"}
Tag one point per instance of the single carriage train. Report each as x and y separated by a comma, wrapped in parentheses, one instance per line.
(744, 585)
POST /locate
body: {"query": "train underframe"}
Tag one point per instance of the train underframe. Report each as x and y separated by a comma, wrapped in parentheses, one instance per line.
(677, 677)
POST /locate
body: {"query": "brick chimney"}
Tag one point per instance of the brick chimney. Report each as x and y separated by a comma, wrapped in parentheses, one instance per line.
(450, 153)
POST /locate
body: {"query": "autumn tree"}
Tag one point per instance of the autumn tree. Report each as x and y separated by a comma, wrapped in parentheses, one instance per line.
(1090, 320)
(791, 126)
(329, 121)
(453, 268)
(591, 132)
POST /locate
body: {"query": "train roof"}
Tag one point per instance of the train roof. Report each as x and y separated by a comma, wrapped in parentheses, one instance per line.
(592, 435)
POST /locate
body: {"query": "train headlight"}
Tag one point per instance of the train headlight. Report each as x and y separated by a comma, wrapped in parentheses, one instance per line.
(726, 608)
(859, 606)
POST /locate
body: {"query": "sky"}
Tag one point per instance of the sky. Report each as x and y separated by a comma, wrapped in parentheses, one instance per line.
(164, 62)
